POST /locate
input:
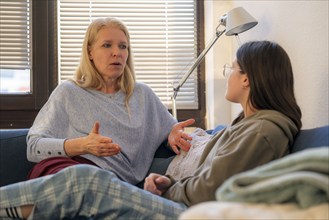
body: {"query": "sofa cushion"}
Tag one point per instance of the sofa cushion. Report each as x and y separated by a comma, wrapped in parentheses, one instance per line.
(14, 165)
(311, 138)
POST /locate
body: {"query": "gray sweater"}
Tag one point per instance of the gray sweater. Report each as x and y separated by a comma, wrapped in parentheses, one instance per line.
(71, 112)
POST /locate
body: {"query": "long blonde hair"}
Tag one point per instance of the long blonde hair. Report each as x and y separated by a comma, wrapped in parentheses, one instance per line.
(87, 76)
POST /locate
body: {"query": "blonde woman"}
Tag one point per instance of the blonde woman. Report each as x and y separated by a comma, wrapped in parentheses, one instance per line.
(102, 117)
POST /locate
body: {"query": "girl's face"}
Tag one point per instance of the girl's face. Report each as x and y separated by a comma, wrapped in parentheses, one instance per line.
(237, 86)
(110, 52)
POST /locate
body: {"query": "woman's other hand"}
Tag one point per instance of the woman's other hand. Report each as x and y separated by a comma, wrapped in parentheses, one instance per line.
(178, 138)
(94, 143)
(99, 145)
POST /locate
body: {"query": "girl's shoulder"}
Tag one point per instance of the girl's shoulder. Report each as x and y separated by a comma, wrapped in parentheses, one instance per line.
(265, 121)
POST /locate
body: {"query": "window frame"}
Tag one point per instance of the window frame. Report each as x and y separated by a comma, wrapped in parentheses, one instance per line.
(19, 111)
(198, 114)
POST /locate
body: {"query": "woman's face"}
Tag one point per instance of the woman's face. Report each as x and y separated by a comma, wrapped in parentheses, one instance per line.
(110, 52)
(235, 85)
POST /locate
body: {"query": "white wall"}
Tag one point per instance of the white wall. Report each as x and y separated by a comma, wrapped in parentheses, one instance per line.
(300, 27)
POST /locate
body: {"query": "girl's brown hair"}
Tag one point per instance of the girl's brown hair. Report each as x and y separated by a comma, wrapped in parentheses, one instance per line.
(270, 77)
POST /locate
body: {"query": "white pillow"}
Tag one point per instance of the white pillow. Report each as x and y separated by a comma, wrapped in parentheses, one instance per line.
(185, 163)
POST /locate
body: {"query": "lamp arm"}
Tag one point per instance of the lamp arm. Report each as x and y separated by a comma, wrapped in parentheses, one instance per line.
(189, 72)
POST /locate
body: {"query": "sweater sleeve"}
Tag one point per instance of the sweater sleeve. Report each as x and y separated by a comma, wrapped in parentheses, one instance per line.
(159, 113)
(47, 135)
(244, 153)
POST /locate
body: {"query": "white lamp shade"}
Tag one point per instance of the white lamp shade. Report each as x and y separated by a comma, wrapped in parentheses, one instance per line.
(238, 20)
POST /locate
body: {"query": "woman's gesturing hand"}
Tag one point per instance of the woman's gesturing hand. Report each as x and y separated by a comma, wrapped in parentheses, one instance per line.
(93, 143)
(99, 145)
(178, 138)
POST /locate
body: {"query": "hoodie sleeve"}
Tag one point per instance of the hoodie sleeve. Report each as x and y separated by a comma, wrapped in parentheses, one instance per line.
(222, 161)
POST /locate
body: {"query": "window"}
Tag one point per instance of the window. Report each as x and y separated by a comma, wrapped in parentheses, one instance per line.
(15, 47)
(163, 38)
(42, 67)
(25, 59)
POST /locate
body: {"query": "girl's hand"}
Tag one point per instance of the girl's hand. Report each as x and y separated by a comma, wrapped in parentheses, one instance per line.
(157, 184)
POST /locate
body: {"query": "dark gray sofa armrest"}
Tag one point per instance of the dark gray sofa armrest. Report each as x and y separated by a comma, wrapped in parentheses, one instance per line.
(14, 165)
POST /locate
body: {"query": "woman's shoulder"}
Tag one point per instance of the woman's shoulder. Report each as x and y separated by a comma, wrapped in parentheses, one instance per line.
(143, 87)
(65, 89)
(67, 85)
(144, 90)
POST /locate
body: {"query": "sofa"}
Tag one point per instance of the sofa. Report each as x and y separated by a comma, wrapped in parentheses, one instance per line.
(14, 166)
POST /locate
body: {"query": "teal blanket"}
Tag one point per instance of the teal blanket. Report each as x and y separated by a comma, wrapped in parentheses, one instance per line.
(301, 178)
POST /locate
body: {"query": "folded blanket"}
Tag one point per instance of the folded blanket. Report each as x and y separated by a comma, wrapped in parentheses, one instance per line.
(254, 211)
(300, 178)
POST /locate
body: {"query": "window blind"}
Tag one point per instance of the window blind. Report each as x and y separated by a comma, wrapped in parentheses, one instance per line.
(163, 41)
(15, 45)
(15, 34)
